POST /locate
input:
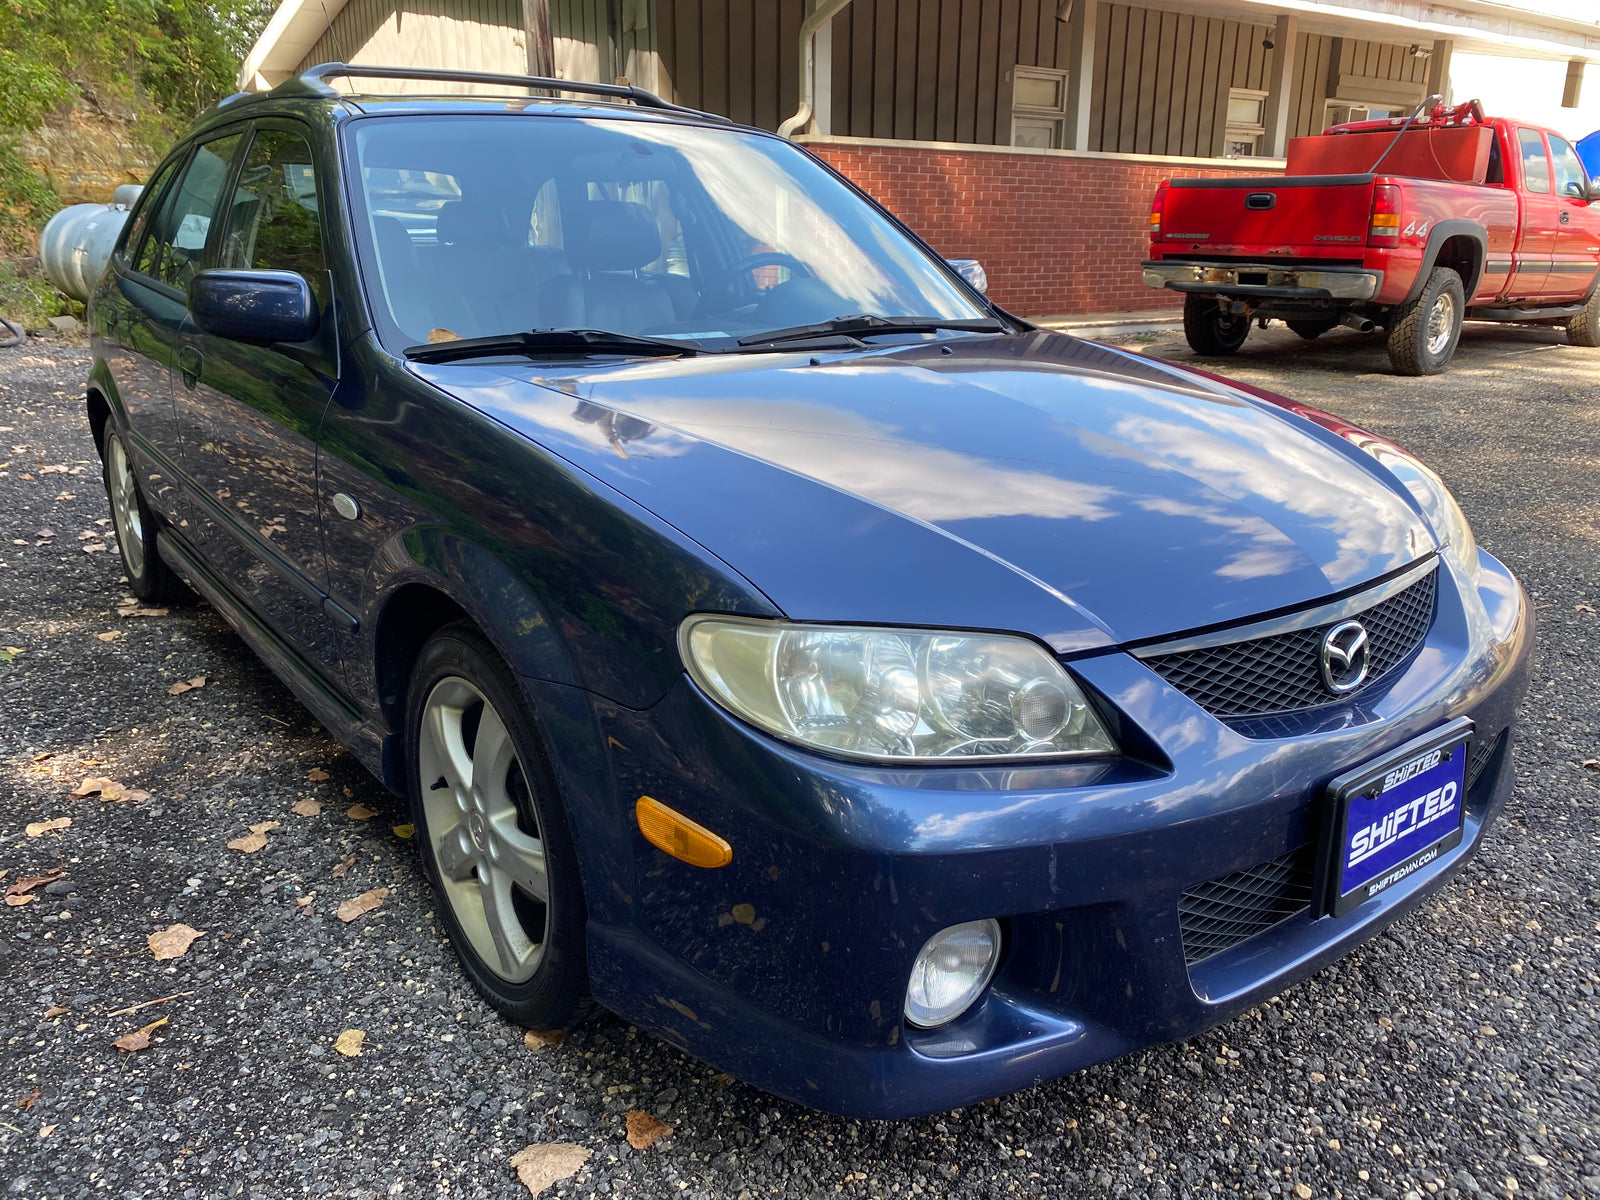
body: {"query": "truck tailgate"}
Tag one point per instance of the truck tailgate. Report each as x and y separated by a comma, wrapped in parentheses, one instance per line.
(1309, 216)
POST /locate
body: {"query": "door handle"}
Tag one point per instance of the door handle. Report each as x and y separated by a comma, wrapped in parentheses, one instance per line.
(1565, 216)
(190, 360)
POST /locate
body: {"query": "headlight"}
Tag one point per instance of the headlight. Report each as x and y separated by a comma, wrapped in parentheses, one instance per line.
(951, 972)
(896, 694)
(1438, 505)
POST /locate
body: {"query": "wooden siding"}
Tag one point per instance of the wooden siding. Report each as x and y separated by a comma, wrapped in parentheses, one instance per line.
(1352, 70)
(735, 57)
(487, 35)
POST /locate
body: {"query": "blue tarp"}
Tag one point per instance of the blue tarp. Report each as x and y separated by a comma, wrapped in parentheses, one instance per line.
(1589, 151)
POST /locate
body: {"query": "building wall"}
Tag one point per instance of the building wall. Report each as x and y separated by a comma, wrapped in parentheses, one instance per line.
(1058, 232)
(734, 57)
(595, 40)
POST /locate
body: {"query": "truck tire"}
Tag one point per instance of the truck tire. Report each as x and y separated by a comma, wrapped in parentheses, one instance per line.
(1209, 330)
(1310, 330)
(1584, 329)
(1423, 332)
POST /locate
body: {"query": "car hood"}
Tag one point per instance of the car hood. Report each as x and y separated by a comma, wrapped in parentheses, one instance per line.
(1034, 482)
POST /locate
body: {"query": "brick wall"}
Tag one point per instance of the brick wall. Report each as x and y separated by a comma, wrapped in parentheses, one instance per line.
(1057, 233)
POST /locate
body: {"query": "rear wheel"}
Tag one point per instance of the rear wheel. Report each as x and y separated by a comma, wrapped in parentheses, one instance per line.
(148, 577)
(493, 836)
(1584, 329)
(1211, 331)
(1423, 332)
(1311, 330)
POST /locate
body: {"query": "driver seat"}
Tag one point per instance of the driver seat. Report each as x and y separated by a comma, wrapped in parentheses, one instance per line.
(607, 289)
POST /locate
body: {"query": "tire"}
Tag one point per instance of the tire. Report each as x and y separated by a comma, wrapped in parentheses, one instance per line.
(1584, 329)
(149, 578)
(1423, 333)
(483, 826)
(1209, 330)
(1311, 330)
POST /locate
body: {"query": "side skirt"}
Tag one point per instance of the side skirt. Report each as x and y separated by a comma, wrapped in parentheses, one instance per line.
(376, 749)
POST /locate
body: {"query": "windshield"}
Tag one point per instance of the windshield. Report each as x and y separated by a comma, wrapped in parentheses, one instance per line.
(479, 225)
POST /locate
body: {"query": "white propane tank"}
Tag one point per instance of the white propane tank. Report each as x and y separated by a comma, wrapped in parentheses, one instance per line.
(76, 245)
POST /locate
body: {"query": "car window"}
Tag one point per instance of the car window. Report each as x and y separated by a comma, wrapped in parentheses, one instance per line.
(1571, 179)
(180, 232)
(273, 223)
(1535, 164)
(149, 199)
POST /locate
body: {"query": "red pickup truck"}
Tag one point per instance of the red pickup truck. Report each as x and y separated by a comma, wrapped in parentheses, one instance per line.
(1408, 227)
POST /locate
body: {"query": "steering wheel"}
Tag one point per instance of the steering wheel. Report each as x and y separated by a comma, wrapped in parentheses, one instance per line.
(719, 287)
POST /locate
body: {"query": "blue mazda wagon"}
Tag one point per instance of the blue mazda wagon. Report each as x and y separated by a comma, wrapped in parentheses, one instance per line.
(780, 645)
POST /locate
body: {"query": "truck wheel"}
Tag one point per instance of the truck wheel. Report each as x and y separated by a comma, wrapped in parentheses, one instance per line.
(1584, 329)
(1423, 332)
(1311, 330)
(1211, 331)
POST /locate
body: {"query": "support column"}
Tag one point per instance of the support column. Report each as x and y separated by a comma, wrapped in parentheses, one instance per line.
(1439, 69)
(1080, 77)
(536, 31)
(1280, 86)
(822, 74)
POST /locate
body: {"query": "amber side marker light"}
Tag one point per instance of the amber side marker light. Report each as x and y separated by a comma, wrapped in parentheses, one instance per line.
(679, 836)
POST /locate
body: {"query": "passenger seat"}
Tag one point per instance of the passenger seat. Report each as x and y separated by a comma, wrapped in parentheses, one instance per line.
(607, 289)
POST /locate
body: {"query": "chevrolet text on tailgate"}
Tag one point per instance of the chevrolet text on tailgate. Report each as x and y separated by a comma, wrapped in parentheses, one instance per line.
(1408, 224)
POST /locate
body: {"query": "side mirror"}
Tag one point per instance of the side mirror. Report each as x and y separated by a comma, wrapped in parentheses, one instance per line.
(1594, 190)
(254, 306)
(972, 271)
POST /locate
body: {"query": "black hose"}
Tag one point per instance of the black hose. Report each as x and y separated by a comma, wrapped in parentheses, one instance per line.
(11, 334)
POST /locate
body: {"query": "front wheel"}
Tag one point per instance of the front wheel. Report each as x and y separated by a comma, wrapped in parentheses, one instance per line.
(1423, 332)
(493, 835)
(1211, 331)
(1584, 329)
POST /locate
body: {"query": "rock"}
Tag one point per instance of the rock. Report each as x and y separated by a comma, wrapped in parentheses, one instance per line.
(64, 324)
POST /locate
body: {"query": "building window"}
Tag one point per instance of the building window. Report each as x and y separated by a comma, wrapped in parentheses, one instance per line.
(1247, 123)
(1342, 112)
(1038, 108)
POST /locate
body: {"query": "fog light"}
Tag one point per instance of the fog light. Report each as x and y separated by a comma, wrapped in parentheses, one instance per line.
(951, 972)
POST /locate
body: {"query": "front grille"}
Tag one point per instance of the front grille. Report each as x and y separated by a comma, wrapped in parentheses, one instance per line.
(1280, 673)
(1219, 914)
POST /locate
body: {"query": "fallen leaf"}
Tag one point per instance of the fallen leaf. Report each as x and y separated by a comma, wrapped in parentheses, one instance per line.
(140, 1038)
(349, 1043)
(8, 653)
(316, 775)
(27, 1102)
(341, 867)
(140, 611)
(173, 941)
(539, 1166)
(306, 807)
(255, 840)
(360, 812)
(17, 893)
(110, 635)
(91, 785)
(46, 1130)
(303, 903)
(540, 1039)
(645, 1130)
(435, 336)
(40, 828)
(1583, 608)
(1591, 764)
(56, 1010)
(94, 547)
(359, 906)
(187, 685)
(60, 496)
(404, 831)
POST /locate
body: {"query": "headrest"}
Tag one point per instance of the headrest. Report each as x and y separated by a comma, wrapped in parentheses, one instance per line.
(622, 236)
(476, 222)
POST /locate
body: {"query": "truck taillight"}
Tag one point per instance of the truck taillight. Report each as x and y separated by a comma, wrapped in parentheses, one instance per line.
(1385, 229)
(1158, 207)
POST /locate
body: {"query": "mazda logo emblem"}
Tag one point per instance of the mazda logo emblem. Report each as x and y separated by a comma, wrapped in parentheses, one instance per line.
(1346, 656)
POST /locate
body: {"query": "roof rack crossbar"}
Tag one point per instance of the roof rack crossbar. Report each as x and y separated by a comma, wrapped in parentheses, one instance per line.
(317, 79)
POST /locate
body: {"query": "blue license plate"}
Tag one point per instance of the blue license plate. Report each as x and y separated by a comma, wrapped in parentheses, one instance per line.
(1396, 815)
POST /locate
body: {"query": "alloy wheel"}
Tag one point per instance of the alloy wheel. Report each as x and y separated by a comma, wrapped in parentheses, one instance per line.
(125, 515)
(481, 828)
(1441, 323)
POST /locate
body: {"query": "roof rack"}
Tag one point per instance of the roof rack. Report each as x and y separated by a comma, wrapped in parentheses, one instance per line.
(315, 81)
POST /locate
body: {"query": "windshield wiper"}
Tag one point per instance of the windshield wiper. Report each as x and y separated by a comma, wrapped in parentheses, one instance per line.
(542, 343)
(864, 323)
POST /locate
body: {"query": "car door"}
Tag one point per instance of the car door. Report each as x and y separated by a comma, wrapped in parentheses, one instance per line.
(152, 312)
(1572, 268)
(255, 410)
(1536, 236)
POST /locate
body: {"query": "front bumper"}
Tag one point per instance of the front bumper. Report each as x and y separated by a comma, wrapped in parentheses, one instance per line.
(1263, 281)
(788, 967)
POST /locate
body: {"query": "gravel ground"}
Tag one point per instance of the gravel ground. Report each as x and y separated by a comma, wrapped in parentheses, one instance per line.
(1454, 1055)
